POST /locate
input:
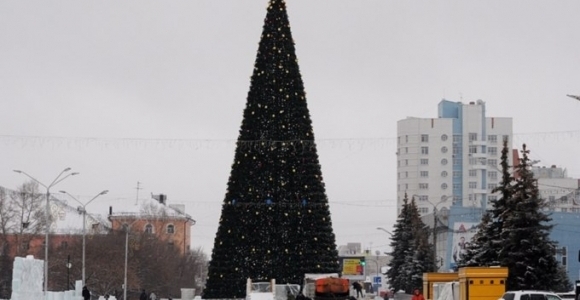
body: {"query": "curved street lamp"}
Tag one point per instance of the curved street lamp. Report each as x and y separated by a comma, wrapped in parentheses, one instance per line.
(127, 228)
(53, 183)
(83, 211)
(443, 200)
(382, 229)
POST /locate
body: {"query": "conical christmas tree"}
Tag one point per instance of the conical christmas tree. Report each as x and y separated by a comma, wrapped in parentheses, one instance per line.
(275, 221)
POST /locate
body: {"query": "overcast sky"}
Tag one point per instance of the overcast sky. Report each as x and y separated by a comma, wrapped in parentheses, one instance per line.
(153, 92)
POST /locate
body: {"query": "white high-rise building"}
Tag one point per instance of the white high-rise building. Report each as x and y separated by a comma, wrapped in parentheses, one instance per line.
(453, 159)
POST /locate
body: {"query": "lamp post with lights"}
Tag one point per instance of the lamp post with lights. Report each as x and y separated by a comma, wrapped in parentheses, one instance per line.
(58, 179)
(82, 210)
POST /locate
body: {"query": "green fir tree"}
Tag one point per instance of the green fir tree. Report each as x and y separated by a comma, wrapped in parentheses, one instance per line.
(412, 253)
(275, 221)
(481, 249)
(486, 244)
(527, 250)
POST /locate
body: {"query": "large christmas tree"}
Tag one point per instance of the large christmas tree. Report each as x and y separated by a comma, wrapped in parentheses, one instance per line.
(275, 221)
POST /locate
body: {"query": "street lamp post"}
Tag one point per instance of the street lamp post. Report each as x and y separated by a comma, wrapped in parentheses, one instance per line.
(382, 229)
(82, 209)
(435, 267)
(127, 229)
(47, 212)
(68, 266)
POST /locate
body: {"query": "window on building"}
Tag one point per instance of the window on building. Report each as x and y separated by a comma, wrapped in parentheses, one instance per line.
(472, 173)
(455, 150)
(424, 173)
(492, 175)
(444, 174)
(424, 150)
(492, 139)
(472, 185)
(148, 228)
(457, 161)
(406, 186)
(406, 174)
(406, 162)
(492, 198)
(444, 137)
(491, 186)
(564, 199)
(424, 198)
(457, 139)
(472, 149)
(456, 174)
(492, 162)
(424, 161)
(444, 186)
(423, 210)
(472, 136)
(406, 138)
(505, 138)
(424, 138)
(170, 228)
(444, 161)
(492, 151)
(456, 199)
(423, 186)
(473, 161)
(456, 186)
(406, 150)
(443, 149)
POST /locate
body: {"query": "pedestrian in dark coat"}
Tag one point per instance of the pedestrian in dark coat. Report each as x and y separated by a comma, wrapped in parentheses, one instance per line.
(86, 293)
(358, 288)
(143, 295)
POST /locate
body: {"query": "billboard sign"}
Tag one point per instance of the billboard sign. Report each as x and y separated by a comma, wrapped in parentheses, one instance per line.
(352, 265)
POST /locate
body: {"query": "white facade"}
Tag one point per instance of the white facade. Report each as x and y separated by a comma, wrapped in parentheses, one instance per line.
(560, 192)
(452, 159)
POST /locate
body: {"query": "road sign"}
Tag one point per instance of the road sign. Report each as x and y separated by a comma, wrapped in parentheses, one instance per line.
(377, 279)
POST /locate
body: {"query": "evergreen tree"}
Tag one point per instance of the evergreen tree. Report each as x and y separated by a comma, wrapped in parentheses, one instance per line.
(275, 221)
(420, 259)
(400, 243)
(412, 254)
(486, 244)
(481, 249)
(527, 249)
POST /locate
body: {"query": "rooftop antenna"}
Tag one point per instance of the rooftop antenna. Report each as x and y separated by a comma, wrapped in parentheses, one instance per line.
(137, 196)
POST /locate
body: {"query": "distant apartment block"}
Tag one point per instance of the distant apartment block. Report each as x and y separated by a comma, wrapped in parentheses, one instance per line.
(452, 159)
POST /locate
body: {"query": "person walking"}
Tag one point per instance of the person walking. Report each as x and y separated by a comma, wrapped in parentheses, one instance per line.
(358, 288)
(143, 295)
(86, 293)
(152, 296)
(417, 295)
